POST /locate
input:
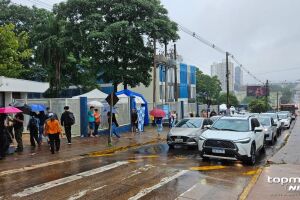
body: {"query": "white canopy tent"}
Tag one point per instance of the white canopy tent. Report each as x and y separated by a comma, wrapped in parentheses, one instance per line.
(124, 99)
(94, 94)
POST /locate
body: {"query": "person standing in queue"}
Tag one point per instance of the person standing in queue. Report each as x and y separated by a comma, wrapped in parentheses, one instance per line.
(91, 120)
(4, 137)
(67, 120)
(18, 121)
(97, 121)
(42, 118)
(33, 127)
(134, 120)
(53, 130)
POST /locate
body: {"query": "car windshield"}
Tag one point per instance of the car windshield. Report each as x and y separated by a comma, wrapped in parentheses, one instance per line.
(190, 123)
(215, 118)
(282, 116)
(240, 125)
(273, 115)
(264, 121)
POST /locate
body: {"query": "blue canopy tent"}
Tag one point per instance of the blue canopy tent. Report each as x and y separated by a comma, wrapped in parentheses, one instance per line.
(130, 93)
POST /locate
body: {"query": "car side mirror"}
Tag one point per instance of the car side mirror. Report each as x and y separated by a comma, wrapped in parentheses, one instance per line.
(207, 126)
(258, 129)
(274, 124)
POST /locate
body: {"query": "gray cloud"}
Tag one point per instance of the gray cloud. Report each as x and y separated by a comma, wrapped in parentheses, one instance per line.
(263, 34)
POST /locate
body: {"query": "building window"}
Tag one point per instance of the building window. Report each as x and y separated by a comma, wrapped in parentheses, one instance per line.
(162, 92)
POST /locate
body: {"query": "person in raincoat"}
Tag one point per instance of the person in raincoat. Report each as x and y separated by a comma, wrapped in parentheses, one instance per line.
(141, 118)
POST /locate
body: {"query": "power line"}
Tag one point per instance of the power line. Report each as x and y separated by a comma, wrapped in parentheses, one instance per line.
(220, 50)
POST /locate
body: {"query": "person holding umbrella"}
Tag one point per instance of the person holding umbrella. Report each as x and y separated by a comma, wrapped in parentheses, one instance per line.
(18, 121)
(4, 137)
(158, 115)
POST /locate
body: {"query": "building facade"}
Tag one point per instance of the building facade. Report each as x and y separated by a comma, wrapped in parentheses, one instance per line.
(219, 70)
(186, 85)
(11, 89)
(238, 78)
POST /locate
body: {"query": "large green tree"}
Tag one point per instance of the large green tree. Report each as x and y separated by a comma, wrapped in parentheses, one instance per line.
(207, 85)
(14, 49)
(117, 36)
(258, 106)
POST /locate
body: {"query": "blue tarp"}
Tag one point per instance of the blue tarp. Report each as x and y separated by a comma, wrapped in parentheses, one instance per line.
(130, 93)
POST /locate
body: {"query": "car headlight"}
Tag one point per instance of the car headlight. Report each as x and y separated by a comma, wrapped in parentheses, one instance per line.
(243, 141)
(265, 129)
(202, 138)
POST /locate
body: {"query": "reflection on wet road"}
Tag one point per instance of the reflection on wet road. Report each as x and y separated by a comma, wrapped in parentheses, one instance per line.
(148, 172)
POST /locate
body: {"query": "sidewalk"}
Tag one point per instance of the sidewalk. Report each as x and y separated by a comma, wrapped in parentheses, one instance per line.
(285, 164)
(32, 157)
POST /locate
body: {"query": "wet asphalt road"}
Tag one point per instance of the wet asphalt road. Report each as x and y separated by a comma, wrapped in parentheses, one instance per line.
(148, 172)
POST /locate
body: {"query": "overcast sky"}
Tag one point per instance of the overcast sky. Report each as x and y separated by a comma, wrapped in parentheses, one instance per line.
(264, 35)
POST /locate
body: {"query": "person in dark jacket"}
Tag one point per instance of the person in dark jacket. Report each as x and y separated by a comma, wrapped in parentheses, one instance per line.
(4, 137)
(114, 124)
(18, 128)
(134, 120)
(33, 127)
(67, 120)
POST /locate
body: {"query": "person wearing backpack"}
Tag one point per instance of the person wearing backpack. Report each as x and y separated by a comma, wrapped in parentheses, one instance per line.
(97, 121)
(67, 120)
(33, 127)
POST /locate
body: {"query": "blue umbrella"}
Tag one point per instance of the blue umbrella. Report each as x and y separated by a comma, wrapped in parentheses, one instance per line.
(37, 107)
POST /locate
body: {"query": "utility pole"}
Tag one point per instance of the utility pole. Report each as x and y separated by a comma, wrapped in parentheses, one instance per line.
(277, 102)
(267, 93)
(154, 72)
(227, 80)
(166, 73)
(175, 75)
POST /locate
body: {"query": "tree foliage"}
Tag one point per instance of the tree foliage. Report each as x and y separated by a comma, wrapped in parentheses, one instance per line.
(14, 49)
(233, 101)
(116, 36)
(258, 106)
(207, 85)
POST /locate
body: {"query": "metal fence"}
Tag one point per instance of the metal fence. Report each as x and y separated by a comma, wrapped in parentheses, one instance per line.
(57, 105)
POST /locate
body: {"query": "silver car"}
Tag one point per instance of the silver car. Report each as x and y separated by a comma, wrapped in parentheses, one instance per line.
(269, 129)
(187, 131)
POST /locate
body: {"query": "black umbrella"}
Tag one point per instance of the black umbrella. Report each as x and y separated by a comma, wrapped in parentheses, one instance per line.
(22, 106)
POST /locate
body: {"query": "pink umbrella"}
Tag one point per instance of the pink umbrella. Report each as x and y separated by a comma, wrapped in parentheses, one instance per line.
(8, 110)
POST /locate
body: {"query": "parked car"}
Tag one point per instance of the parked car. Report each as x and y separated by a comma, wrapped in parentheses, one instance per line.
(187, 131)
(285, 119)
(279, 124)
(269, 129)
(233, 138)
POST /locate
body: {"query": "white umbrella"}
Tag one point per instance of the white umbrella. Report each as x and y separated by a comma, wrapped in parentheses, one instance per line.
(95, 104)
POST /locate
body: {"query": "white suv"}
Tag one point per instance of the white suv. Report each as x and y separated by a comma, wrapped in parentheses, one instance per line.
(233, 138)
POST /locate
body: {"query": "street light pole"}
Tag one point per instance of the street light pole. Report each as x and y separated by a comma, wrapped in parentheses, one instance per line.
(227, 80)
(175, 75)
(154, 71)
(166, 73)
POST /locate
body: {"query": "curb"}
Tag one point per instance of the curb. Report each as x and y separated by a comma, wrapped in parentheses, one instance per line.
(75, 158)
(250, 185)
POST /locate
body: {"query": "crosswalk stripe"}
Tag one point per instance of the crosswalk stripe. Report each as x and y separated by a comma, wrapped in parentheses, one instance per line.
(162, 182)
(62, 181)
(193, 187)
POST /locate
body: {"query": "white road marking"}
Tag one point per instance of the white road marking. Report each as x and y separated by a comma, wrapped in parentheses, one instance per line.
(55, 183)
(79, 195)
(138, 171)
(193, 187)
(99, 188)
(13, 171)
(162, 182)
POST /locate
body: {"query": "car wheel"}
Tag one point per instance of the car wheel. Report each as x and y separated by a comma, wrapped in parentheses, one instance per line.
(252, 159)
(204, 158)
